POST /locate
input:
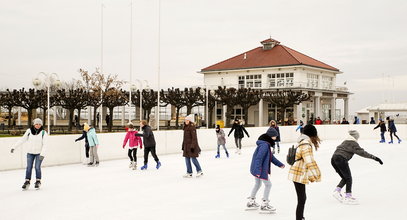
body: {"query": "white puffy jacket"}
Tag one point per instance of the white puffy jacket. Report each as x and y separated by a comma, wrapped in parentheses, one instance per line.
(35, 144)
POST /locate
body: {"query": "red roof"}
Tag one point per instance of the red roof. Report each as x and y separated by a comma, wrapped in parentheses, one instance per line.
(279, 55)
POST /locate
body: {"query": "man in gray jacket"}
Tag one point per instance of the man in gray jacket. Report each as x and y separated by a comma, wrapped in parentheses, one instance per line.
(344, 152)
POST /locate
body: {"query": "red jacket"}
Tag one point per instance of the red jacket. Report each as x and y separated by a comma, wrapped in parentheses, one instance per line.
(318, 122)
(134, 140)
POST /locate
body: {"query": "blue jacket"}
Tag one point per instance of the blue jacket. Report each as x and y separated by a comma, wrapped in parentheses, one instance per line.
(392, 126)
(262, 159)
(92, 138)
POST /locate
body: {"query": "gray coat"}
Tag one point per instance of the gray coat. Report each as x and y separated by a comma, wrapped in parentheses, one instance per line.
(349, 147)
(221, 137)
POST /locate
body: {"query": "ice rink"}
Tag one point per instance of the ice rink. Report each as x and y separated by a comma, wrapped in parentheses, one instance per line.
(113, 191)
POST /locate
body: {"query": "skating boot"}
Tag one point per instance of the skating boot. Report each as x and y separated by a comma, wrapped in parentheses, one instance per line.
(97, 163)
(390, 142)
(134, 166)
(85, 161)
(158, 165)
(144, 167)
(349, 200)
(239, 151)
(399, 141)
(131, 165)
(90, 164)
(26, 185)
(337, 194)
(266, 208)
(382, 141)
(188, 175)
(227, 154)
(252, 204)
(199, 174)
(37, 184)
(217, 156)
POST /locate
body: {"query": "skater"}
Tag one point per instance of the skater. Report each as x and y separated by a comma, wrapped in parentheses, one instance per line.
(344, 152)
(85, 136)
(300, 127)
(305, 169)
(392, 129)
(273, 124)
(93, 146)
(36, 139)
(344, 121)
(372, 121)
(134, 142)
(239, 129)
(190, 147)
(356, 121)
(318, 121)
(220, 134)
(260, 169)
(382, 126)
(149, 144)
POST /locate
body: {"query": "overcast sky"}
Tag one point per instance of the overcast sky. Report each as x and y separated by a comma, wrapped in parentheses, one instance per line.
(366, 39)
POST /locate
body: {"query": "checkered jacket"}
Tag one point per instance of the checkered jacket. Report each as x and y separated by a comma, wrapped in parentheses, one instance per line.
(305, 169)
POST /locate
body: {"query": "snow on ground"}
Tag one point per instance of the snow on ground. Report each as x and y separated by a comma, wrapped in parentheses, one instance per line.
(113, 191)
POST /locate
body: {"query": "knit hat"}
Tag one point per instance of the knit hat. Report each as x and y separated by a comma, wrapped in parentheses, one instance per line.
(272, 132)
(310, 130)
(190, 118)
(37, 121)
(86, 127)
(354, 134)
(266, 137)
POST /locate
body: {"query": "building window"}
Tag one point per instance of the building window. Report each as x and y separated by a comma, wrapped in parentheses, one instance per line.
(327, 82)
(312, 80)
(280, 80)
(249, 81)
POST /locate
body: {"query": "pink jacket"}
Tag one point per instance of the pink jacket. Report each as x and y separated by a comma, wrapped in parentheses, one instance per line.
(134, 141)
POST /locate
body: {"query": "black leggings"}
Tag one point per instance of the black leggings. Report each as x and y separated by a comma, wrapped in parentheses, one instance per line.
(301, 198)
(87, 150)
(341, 166)
(391, 135)
(147, 151)
(133, 154)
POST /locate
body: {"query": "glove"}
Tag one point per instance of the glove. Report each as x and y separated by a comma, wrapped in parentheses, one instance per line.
(12, 151)
(76, 140)
(41, 157)
(378, 160)
(141, 147)
(123, 147)
(248, 136)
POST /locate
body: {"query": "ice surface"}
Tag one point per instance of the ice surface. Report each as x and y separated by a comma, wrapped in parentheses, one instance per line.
(113, 191)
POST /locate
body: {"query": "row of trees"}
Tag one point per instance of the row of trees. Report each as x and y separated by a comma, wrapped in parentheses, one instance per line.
(97, 89)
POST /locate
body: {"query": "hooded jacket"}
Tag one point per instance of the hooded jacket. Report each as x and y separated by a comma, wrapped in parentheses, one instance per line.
(190, 146)
(134, 141)
(239, 129)
(92, 138)
(262, 159)
(349, 147)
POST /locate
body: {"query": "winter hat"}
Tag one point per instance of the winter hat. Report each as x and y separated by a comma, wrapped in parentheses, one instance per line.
(272, 132)
(266, 137)
(190, 118)
(354, 134)
(37, 121)
(86, 127)
(310, 130)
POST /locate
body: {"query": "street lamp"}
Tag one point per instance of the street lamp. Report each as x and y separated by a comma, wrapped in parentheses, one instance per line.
(50, 79)
(141, 86)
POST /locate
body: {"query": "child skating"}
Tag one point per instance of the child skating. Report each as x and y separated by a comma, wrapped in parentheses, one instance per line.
(220, 134)
(84, 136)
(134, 143)
(260, 169)
(382, 126)
(344, 152)
(392, 130)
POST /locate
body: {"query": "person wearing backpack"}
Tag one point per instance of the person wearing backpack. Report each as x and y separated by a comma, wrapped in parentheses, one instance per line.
(36, 139)
(260, 168)
(305, 168)
(343, 153)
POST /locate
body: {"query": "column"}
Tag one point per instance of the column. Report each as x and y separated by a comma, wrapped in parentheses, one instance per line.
(317, 107)
(346, 108)
(89, 115)
(19, 116)
(333, 108)
(261, 113)
(123, 115)
(55, 115)
(225, 120)
(299, 112)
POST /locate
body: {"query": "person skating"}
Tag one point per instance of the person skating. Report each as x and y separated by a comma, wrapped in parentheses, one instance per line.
(343, 153)
(383, 129)
(274, 125)
(134, 143)
(93, 146)
(300, 126)
(260, 168)
(305, 169)
(392, 130)
(149, 144)
(372, 121)
(36, 139)
(318, 121)
(190, 147)
(239, 129)
(221, 140)
(84, 136)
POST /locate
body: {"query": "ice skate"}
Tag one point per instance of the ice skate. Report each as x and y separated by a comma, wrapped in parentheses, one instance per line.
(131, 164)
(37, 184)
(188, 175)
(266, 208)
(199, 174)
(90, 164)
(158, 165)
(399, 141)
(390, 142)
(144, 167)
(217, 155)
(239, 152)
(350, 200)
(26, 185)
(227, 154)
(382, 141)
(134, 166)
(252, 204)
(337, 195)
(85, 161)
(97, 163)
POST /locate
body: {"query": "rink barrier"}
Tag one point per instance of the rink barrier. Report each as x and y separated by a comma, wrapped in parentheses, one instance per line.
(62, 149)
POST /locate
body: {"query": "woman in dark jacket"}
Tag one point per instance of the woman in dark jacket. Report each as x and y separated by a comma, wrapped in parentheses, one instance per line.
(383, 129)
(392, 130)
(190, 147)
(239, 129)
(84, 136)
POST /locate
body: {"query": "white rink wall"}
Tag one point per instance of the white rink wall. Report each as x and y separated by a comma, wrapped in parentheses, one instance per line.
(62, 149)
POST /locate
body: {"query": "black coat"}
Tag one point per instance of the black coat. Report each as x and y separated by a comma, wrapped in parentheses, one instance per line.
(84, 136)
(148, 136)
(382, 126)
(239, 129)
(190, 146)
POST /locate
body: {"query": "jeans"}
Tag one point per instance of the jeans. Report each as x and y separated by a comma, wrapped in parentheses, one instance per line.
(341, 166)
(196, 163)
(238, 142)
(267, 187)
(30, 161)
(224, 148)
(382, 135)
(147, 151)
(301, 198)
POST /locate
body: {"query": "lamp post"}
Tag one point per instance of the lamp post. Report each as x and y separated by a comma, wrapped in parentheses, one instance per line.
(48, 80)
(141, 87)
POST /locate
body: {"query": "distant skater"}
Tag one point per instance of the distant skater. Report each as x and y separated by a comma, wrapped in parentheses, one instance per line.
(274, 125)
(134, 143)
(392, 130)
(149, 144)
(382, 126)
(300, 127)
(239, 129)
(221, 141)
(85, 136)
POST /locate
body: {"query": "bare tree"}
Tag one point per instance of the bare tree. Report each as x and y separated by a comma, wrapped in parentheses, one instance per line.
(228, 97)
(192, 97)
(8, 101)
(174, 97)
(70, 99)
(29, 100)
(247, 97)
(113, 98)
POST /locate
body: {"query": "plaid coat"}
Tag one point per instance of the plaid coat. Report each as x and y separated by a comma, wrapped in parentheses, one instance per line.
(305, 169)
